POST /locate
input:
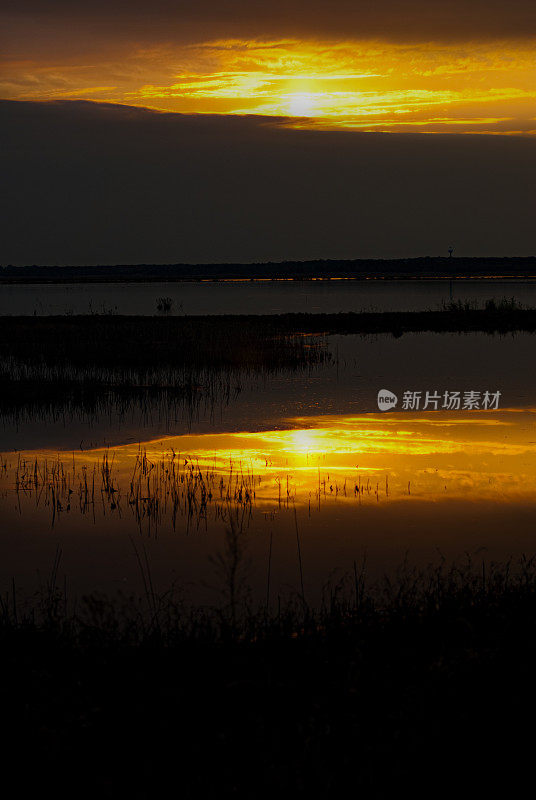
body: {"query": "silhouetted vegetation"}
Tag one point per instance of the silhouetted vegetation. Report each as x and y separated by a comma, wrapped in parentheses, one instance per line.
(147, 343)
(93, 362)
(263, 342)
(164, 304)
(506, 305)
(428, 266)
(422, 682)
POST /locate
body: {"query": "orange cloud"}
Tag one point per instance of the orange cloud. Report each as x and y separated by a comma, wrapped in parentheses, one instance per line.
(353, 85)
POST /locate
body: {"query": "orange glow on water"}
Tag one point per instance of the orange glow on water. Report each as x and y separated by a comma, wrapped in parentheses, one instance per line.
(479, 456)
(379, 485)
(439, 456)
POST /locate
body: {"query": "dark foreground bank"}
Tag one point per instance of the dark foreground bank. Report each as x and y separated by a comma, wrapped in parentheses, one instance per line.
(423, 686)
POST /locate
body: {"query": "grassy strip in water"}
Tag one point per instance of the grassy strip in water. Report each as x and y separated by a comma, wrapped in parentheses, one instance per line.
(81, 361)
(88, 362)
(150, 342)
(423, 685)
(267, 342)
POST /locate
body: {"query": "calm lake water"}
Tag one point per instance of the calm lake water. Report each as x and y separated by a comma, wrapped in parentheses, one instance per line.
(294, 458)
(256, 297)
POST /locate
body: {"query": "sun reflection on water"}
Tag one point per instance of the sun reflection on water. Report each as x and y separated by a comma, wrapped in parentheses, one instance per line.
(488, 456)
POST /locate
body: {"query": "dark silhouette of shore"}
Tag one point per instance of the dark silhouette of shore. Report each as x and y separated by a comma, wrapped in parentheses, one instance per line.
(358, 269)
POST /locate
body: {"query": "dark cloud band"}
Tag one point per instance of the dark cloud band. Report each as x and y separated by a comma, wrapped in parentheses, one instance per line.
(173, 20)
(88, 183)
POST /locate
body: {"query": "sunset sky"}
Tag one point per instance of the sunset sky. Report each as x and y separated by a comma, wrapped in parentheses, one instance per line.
(463, 65)
(441, 66)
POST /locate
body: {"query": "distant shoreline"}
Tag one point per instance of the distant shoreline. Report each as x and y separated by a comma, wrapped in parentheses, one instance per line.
(441, 268)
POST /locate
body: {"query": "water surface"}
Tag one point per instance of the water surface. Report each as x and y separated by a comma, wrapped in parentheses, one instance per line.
(257, 297)
(298, 458)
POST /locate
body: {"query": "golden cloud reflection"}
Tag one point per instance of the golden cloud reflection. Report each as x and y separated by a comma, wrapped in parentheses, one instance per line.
(436, 456)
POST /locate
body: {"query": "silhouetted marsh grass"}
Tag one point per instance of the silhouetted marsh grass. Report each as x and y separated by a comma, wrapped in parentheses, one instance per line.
(461, 590)
(167, 488)
(164, 305)
(505, 305)
(170, 487)
(380, 687)
(144, 345)
(35, 392)
(63, 364)
(150, 343)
